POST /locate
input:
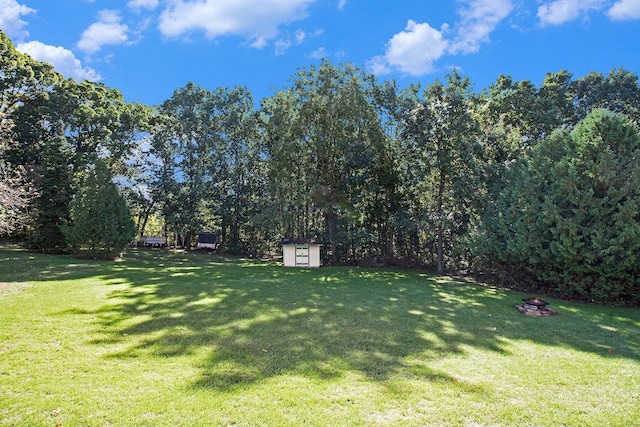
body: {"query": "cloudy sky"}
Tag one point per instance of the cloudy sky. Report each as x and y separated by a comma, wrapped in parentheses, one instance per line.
(149, 48)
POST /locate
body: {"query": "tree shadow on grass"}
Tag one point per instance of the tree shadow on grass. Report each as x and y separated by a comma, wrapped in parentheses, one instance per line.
(257, 320)
(20, 266)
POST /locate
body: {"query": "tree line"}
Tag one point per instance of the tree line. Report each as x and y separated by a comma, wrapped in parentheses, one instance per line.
(525, 183)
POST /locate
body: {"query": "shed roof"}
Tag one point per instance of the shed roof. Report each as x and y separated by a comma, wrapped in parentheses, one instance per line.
(299, 241)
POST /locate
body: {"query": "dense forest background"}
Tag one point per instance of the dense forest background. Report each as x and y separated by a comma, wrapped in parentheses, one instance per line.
(527, 185)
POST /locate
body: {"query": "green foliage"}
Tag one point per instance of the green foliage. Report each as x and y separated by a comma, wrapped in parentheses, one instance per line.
(185, 145)
(101, 225)
(24, 85)
(52, 127)
(446, 157)
(320, 134)
(236, 170)
(368, 169)
(95, 119)
(54, 196)
(571, 211)
(619, 92)
(207, 162)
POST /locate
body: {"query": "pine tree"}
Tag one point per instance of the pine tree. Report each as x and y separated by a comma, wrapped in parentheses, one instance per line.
(101, 225)
(570, 213)
(52, 203)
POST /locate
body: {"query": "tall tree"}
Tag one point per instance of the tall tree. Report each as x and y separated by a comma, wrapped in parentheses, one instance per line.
(14, 191)
(100, 221)
(162, 160)
(55, 192)
(444, 130)
(287, 209)
(187, 143)
(331, 111)
(618, 92)
(235, 167)
(24, 87)
(571, 211)
(46, 111)
(96, 119)
(389, 195)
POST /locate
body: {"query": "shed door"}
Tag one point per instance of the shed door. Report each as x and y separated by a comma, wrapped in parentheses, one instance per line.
(302, 256)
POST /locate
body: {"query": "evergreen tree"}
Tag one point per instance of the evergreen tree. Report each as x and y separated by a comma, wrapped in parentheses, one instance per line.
(52, 203)
(101, 225)
(571, 211)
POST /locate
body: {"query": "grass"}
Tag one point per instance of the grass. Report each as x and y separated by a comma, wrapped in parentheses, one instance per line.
(190, 339)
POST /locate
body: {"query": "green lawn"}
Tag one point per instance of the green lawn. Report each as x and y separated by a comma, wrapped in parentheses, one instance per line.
(190, 339)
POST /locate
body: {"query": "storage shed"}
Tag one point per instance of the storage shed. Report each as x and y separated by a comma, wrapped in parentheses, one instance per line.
(300, 253)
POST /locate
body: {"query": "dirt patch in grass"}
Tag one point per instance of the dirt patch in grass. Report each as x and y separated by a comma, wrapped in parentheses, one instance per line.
(10, 288)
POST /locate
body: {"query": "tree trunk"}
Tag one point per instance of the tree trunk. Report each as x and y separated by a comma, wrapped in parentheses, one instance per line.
(440, 262)
(440, 266)
(389, 238)
(332, 220)
(145, 219)
(187, 238)
(223, 237)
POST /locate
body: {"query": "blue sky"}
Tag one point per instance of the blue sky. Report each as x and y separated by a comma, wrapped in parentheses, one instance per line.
(149, 48)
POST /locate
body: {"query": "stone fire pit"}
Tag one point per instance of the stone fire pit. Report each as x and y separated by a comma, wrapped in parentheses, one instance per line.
(535, 307)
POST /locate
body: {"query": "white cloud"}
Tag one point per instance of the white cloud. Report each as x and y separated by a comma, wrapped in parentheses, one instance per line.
(319, 53)
(283, 44)
(342, 4)
(625, 10)
(560, 11)
(63, 60)
(107, 31)
(143, 4)
(378, 65)
(300, 36)
(478, 20)
(415, 50)
(412, 51)
(258, 42)
(258, 20)
(11, 22)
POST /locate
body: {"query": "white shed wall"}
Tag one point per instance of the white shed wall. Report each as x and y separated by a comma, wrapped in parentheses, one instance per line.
(301, 255)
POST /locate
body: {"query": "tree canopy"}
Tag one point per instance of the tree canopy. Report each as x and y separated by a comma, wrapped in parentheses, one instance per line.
(514, 179)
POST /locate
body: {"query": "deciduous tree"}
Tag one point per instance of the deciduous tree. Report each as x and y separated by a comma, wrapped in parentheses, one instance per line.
(331, 111)
(444, 130)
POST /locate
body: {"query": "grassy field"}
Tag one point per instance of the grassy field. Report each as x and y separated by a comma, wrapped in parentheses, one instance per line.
(190, 339)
